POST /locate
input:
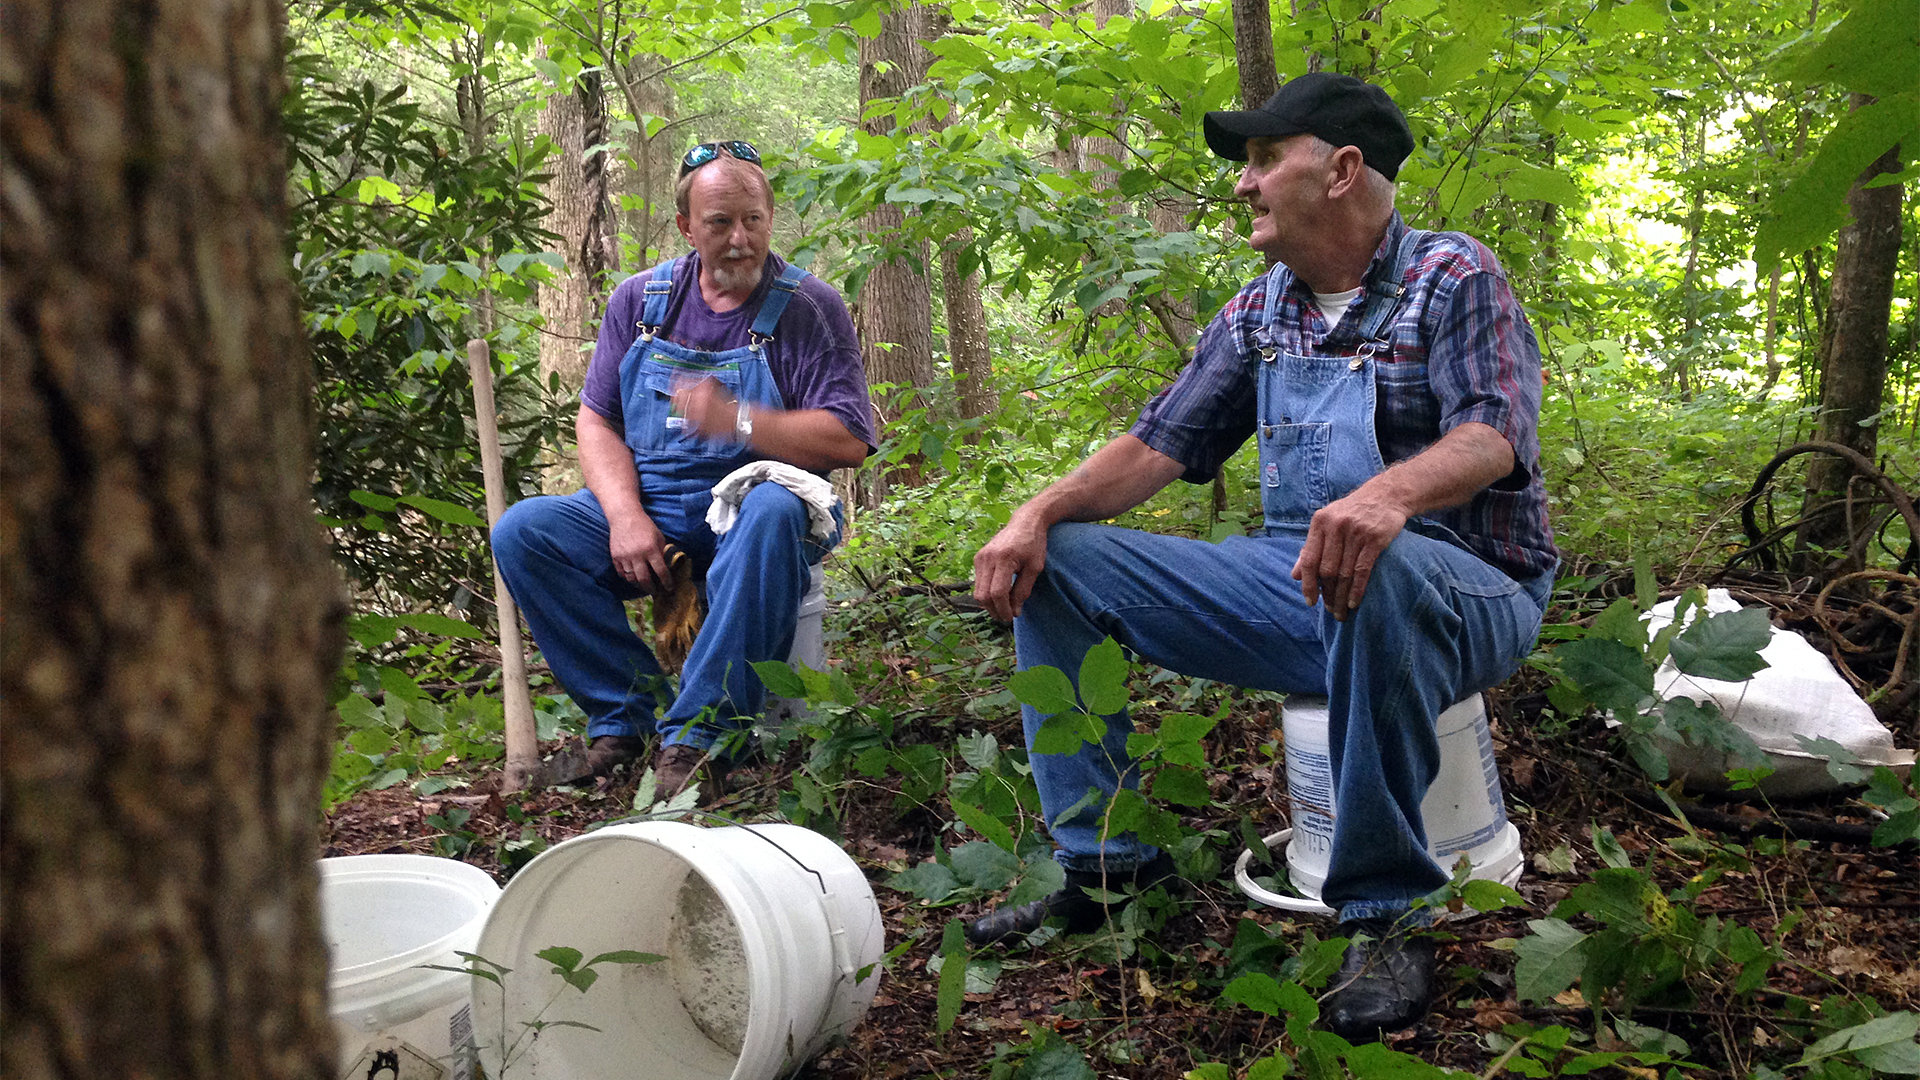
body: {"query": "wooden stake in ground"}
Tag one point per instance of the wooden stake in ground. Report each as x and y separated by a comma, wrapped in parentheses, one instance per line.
(523, 749)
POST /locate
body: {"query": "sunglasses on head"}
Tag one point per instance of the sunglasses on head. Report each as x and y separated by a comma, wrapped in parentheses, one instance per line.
(707, 151)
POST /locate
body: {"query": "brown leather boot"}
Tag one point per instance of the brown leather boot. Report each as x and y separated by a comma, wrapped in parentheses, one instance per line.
(608, 752)
(674, 767)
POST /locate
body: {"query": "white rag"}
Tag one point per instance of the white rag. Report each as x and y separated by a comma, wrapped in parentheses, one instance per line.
(732, 490)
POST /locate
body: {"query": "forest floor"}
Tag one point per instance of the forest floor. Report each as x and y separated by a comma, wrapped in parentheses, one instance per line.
(1846, 914)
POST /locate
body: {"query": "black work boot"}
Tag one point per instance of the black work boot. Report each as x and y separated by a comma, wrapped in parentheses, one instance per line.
(1078, 912)
(1385, 980)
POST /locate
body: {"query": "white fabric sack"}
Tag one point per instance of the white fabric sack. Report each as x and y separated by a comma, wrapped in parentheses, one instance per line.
(1798, 693)
(732, 490)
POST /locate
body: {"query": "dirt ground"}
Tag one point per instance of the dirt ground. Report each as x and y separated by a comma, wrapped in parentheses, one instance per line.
(1859, 926)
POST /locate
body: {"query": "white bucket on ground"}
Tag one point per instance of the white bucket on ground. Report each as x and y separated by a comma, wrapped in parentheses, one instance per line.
(809, 645)
(1464, 811)
(766, 931)
(384, 916)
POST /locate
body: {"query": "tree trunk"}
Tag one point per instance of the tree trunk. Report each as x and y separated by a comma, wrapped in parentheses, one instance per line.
(566, 304)
(894, 311)
(172, 619)
(1853, 353)
(1253, 52)
(967, 344)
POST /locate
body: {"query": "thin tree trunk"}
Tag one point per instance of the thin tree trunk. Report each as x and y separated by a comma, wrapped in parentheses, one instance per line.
(1253, 51)
(1689, 298)
(172, 618)
(894, 311)
(967, 344)
(1853, 353)
(566, 303)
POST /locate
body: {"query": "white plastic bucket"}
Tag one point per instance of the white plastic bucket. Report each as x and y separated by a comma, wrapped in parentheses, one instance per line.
(766, 931)
(1464, 811)
(809, 645)
(385, 916)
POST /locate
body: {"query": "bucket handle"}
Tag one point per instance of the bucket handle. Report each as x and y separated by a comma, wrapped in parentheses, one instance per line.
(1254, 892)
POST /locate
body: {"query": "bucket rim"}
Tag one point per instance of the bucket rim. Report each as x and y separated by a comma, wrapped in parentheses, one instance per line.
(461, 878)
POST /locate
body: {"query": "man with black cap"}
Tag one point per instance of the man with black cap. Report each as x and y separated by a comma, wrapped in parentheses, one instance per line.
(1392, 385)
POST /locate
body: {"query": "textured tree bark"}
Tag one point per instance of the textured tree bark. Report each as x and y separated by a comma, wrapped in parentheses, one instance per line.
(580, 216)
(1853, 354)
(1253, 51)
(967, 344)
(171, 615)
(894, 311)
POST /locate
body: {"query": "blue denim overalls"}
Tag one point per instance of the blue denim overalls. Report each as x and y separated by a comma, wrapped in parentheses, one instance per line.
(553, 551)
(1436, 623)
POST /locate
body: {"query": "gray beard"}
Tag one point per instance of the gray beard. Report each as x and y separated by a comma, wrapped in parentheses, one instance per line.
(733, 281)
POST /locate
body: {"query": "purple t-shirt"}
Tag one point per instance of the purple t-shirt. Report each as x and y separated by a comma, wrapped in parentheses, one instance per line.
(814, 355)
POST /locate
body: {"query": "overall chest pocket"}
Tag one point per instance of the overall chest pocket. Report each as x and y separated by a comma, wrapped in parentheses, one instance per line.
(1293, 470)
(653, 427)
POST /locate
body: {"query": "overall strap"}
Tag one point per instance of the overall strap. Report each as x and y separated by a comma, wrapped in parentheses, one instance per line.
(1386, 290)
(1276, 285)
(775, 305)
(659, 285)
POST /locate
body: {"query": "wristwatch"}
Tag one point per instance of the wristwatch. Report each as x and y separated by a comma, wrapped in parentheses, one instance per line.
(743, 424)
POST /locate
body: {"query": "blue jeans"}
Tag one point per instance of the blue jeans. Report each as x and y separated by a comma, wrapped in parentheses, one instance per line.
(1436, 625)
(552, 551)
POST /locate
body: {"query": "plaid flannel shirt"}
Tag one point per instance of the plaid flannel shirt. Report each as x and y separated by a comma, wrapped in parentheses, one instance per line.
(1462, 351)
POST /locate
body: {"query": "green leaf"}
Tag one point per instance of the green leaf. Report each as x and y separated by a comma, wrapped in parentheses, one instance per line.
(1813, 205)
(1548, 961)
(626, 956)
(1724, 646)
(371, 262)
(983, 866)
(1058, 1060)
(1611, 675)
(1890, 1030)
(1045, 689)
(1181, 786)
(1066, 732)
(990, 828)
(929, 881)
(1256, 991)
(1482, 895)
(451, 513)
(1042, 876)
(1842, 763)
(953, 974)
(563, 959)
(399, 684)
(867, 25)
(779, 678)
(1874, 50)
(445, 626)
(1103, 678)
(1646, 588)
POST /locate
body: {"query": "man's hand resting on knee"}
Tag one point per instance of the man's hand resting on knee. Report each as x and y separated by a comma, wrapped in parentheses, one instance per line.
(1118, 477)
(639, 553)
(1347, 536)
(1005, 569)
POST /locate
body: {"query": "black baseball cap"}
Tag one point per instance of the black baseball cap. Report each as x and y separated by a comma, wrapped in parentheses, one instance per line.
(1340, 109)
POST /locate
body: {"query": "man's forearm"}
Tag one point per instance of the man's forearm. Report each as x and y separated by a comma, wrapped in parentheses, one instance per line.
(1448, 473)
(812, 439)
(1118, 477)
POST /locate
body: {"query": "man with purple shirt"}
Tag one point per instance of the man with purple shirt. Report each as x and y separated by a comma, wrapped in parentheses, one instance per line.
(1392, 385)
(721, 358)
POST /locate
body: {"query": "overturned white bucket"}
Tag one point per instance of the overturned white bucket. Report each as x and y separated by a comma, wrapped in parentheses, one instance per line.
(384, 917)
(1464, 811)
(771, 942)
